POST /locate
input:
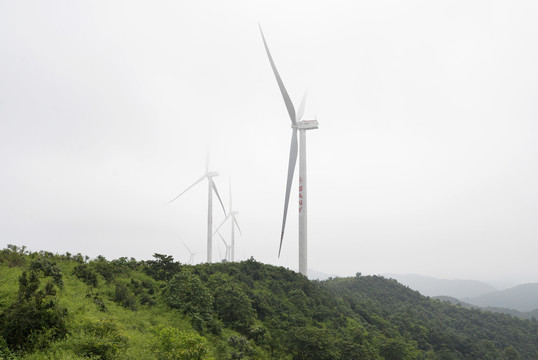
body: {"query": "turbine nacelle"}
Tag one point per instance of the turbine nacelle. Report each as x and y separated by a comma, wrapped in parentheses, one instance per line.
(210, 174)
(306, 125)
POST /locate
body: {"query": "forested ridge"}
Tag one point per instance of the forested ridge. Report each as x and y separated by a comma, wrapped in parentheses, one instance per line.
(65, 306)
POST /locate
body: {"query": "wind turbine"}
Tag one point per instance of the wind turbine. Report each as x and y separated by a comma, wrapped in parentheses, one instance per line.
(211, 187)
(302, 125)
(234, 223)
(191, 259)
(227, 253)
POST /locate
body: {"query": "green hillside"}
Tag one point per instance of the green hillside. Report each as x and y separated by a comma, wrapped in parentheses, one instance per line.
(70, 307)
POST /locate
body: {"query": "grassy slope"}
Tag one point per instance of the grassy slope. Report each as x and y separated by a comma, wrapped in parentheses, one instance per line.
(135, 325)
(360, 317)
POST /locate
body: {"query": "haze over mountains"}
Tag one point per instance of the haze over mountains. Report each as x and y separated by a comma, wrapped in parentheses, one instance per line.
(430, 286)
(521, 298)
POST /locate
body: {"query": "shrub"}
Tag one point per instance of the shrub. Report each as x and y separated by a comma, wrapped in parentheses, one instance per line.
(102, 339)
(86, 274)
(173, 344)
(48, 268)
(5, 352)
(35, 319)
(13, 256)
(124, 297)
(241, 347)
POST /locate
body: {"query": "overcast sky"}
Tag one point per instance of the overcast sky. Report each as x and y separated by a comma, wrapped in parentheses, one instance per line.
(425, 161)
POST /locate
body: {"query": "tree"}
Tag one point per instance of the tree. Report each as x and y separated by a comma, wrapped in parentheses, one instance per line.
(35, 319)
(313, 343)
(234, 306)
(86, 274)
(162, 268)
(188, 293)
(394, 349)
(510, 353)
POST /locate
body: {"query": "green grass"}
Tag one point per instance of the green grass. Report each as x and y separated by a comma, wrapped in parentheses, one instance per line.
(9, 285)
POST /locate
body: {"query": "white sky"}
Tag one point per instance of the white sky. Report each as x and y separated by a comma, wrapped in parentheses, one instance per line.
(426, 159)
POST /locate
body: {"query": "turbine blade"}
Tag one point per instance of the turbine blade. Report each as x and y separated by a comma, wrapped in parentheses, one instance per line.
(217, 192)
(291, 170)
(196, 182)
(285, 96)
(230, 188)
(222, 238)
(222, 223)
(237, 224)
(300, 112)
(189, 250)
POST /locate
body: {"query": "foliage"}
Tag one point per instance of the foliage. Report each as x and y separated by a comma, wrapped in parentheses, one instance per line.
(86, 274)
(35, 319)
(172, 344)
(310, 342)
(5, 351)
(124, 296)
(185, 291)
(13, 256)
(244, 310)
(102, 339)
(162, 268)
(234, 307)
(241, 348)
(48, 268)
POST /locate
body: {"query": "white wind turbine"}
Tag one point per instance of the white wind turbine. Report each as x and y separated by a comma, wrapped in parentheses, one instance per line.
(211, 187)
(191, 258)
(228, 251)
(234, 223)
(302, 126)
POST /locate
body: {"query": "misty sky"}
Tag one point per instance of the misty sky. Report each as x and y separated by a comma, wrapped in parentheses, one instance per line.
(426, 159)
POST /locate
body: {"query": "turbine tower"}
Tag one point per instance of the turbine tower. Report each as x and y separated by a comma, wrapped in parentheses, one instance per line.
(234, 223)
(302, 125)
(211, 187)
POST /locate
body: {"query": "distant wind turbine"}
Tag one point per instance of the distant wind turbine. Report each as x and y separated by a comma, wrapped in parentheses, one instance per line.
(211, 187)
(302, 126)
(234, 223)
(191, 258)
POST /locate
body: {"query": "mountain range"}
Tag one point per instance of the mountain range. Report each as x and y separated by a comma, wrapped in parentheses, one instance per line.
(520, 300)
(429, 286)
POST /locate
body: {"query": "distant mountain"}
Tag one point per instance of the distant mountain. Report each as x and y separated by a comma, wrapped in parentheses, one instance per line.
(430, 286)
(522, 298)
(520, 314)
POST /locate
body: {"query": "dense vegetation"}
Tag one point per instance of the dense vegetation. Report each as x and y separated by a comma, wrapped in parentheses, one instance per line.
(70, 307)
